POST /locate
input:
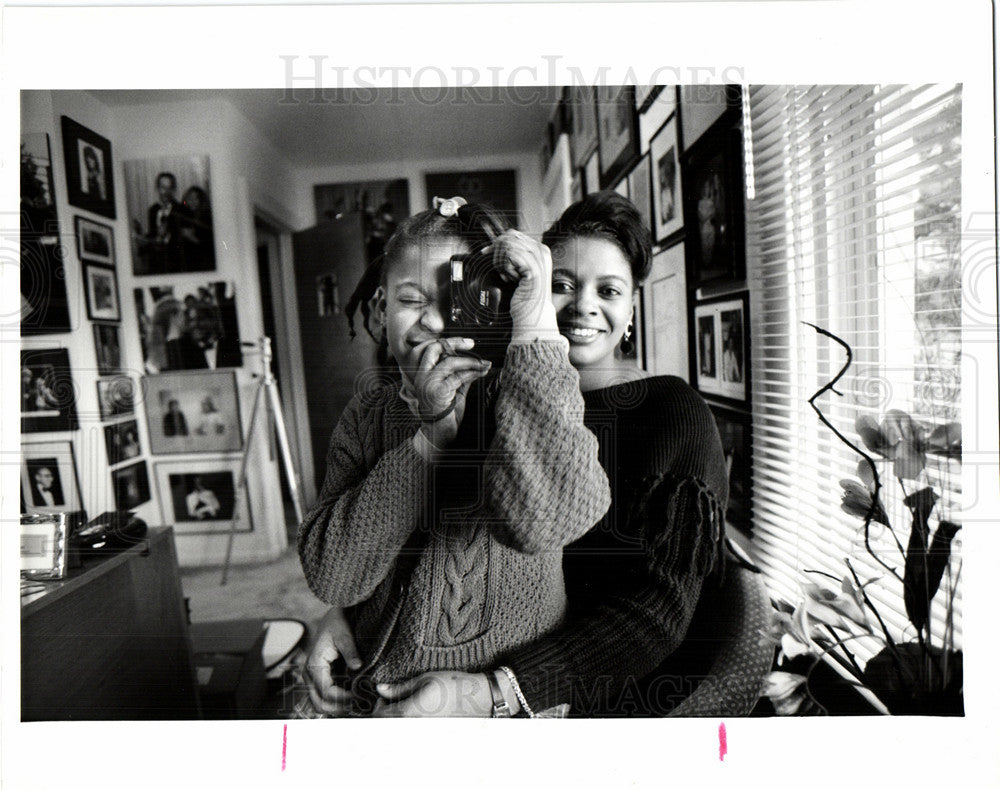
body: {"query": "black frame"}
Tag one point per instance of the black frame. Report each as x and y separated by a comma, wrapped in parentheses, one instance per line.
(719, 153)
(744, 298)
(78, 223)
(61, 386)
(612, 172)
(739, 512)
(116, 390)
(118, 477)
(105, 365)
(663, 235)
(73, 133)
(119, 428)
(113, 274)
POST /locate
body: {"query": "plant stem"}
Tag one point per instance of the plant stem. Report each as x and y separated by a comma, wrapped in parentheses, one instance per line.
(885, 630)
(848, 653)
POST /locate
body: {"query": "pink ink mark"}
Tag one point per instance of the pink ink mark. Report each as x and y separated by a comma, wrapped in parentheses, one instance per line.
(284, 745)
(722, 742)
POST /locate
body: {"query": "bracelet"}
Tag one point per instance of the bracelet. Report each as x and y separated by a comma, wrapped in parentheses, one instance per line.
(517, 691)
(441, 414)
(501, 710)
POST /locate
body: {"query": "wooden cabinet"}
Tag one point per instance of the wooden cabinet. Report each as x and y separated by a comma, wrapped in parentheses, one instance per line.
(110, 641)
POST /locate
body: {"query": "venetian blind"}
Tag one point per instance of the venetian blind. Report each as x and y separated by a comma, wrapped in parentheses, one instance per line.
(854, 228)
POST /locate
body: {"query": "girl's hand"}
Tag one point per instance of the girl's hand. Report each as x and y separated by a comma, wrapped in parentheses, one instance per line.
(333, 640)
(436, 694)
(528, 262)
(442, 381)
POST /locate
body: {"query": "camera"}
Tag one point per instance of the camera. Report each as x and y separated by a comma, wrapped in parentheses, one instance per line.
(480, 305)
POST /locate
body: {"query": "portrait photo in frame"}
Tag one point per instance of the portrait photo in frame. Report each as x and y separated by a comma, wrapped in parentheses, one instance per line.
(48, 393)
(668, 207)
(115, 397)
(193, 412)
(121, 441)
(617, 131)
(89, 173)
(95, 241)
(735, 430)
(639, 191)
(199, 497)
(131, 485)
(720, 353)
(583, 109)
(49, 479)
(107, 346)
(712, 174)
(101, 283)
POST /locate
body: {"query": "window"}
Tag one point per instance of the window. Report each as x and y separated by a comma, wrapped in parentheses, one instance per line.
(854, 228)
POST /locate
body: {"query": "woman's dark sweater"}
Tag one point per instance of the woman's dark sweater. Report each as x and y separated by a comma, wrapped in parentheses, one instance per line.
(634, 579)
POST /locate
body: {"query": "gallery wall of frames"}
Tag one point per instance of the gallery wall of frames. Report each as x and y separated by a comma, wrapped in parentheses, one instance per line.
(677, 153)
(132, 317)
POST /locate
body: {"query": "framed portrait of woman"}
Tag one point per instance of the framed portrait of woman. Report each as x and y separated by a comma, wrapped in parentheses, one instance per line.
(721, 347)
(668, 216)
(89, 181)
(617, 132)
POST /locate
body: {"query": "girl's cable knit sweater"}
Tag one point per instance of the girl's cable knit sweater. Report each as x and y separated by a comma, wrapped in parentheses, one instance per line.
(486, 527)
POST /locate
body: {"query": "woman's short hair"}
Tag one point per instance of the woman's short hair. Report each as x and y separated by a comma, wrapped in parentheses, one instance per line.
(606, 215)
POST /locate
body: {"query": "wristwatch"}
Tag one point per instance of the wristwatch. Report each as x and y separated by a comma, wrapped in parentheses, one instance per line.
(501, 710)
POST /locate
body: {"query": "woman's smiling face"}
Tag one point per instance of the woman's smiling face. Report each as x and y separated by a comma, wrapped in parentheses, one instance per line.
(592, 290)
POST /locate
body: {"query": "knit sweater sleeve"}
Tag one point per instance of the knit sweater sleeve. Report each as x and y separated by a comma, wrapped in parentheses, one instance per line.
(545, 486)
(623, 634)
(365, 512)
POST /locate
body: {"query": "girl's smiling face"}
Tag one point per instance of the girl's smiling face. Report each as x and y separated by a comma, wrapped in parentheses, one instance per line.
(592, 290)
(416, 296)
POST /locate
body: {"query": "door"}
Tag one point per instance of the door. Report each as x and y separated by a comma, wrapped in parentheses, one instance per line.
(329, 261)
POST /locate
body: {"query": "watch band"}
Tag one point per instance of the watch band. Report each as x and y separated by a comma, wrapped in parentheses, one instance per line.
(501, 710)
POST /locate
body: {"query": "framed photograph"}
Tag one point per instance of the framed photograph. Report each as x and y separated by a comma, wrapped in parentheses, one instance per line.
(89, 181)
(131, 485)
(644, 95)
(639, 192)
(721, 348)
(583, 110)
(497, 188)
(44, 302)
(199, 497)
(659, 109)
(735, 430)
(617, 131)
(713, 206)
(108, 348)
(703, 105)
(665, 312)
(49, 480)
(48, 393)
(121, 440)
(188, 328)
(44, 539)
(95, 242)
(115, 397)
(668, 216)
(193, 412)
(102, 293)
(170, 214)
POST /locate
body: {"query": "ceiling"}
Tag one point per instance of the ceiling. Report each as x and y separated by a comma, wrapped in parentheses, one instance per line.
(338, 127)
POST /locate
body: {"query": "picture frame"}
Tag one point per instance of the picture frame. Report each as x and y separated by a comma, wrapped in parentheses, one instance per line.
(200, 321)
(496, 188)
(90, 181)
(703, 105)
(665, 166)
(44, 544)
(644, 96)
(199, 497)
(712, 178)
(665, 314)
(583, 109)
(44, 299)
(95, 241)
(592, 175)
(640, 192)
(193, 412)
(121, 441)
(115, 397)
(657, 111)
(617, 132)
(101, 285)
(131, 485)
(48, 392)
(720, 348)
(50, 482)
(107, 347)
(736, 432)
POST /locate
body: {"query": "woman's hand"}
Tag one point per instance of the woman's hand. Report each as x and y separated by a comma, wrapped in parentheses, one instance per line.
(436, 694)
(333, 640)
(528, 262)
(441, 381)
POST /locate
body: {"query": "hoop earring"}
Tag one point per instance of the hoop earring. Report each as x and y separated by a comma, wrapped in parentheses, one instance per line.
(626, 345)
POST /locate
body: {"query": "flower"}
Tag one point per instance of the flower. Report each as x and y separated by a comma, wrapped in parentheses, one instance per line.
(906, 441)
(859, 501)
(835, 609)
(785, 691)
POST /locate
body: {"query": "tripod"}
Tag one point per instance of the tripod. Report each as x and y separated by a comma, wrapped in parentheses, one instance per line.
(268, 398)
